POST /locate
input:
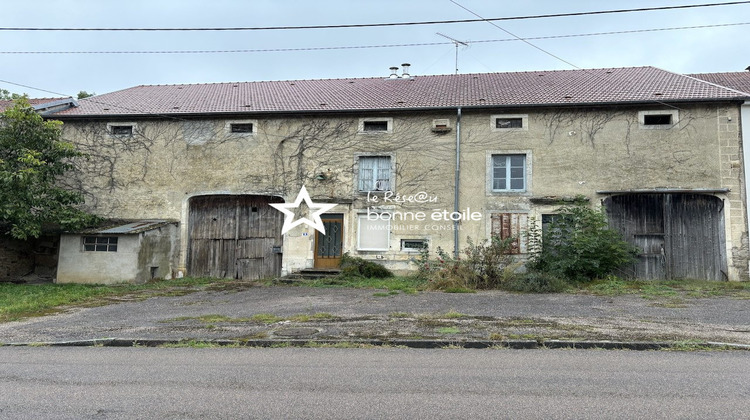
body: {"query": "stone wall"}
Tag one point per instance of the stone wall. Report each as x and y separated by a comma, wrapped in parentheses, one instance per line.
(569, 152)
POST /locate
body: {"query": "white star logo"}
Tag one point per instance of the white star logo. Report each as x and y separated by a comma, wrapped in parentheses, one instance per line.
(289, 221)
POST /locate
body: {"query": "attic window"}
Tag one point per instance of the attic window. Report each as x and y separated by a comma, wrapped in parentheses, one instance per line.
(241, 127)
(121, 129)
(375, 125)
(657, 119)
(509, 122)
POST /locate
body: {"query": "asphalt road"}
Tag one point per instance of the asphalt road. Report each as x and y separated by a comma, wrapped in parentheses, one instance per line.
(188, 383)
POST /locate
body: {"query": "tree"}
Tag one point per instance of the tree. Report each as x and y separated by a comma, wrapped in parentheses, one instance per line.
(32, 158)
(83, 94)
(6, 95)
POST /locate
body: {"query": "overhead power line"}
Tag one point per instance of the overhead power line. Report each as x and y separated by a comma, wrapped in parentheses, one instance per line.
(531, 44)
(423, 44)
(371, 25)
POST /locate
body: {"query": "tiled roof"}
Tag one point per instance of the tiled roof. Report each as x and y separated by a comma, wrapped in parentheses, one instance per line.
(598, 86)
(739, 80)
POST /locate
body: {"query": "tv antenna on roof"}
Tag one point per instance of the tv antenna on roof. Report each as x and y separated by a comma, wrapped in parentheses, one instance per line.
(456, 43)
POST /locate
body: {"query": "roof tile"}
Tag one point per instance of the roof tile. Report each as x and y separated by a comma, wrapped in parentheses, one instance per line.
(596, 86)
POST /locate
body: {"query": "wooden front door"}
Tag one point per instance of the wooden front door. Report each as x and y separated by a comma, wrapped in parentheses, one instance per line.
(234, 236)
(328, 247)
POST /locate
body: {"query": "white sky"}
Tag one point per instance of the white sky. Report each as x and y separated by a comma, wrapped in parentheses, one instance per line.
(682, 51)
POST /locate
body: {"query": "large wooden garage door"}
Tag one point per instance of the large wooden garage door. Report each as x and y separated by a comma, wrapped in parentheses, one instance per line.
(234, 236)
(680, 235)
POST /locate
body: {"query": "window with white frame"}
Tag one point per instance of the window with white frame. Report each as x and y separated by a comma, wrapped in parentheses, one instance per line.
(374, 173)
(509, 172)
(374, 232)
(414, 245)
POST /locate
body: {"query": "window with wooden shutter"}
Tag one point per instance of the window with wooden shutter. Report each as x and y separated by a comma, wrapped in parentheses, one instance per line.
(511, 225)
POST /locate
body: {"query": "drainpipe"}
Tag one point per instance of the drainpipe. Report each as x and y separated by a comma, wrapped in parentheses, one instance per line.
(745, 127)
(456, 181)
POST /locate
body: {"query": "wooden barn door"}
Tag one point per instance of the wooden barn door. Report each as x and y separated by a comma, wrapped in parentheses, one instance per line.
(697, 239)
(234, 237)
(679, 235)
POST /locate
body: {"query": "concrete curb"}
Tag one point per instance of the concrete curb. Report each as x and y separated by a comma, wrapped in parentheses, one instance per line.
(416, 344)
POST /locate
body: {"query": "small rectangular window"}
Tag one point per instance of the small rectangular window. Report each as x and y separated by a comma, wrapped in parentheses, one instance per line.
(657, 119)
(241, 127)
(375, 126)
(414, 245)
(121, 130)
(100, 243)
(509, 173)
(509, 123)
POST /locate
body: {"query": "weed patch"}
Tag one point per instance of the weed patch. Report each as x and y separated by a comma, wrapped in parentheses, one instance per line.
(19, 301)
(208, 319)
(266, 318)
(320, 316)
(452, 314)
(448, 330)
(403, 284)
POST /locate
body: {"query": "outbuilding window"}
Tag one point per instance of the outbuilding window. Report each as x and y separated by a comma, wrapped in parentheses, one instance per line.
(100, 243)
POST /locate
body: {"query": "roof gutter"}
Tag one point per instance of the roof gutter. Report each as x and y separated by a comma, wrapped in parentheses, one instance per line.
(402, 109)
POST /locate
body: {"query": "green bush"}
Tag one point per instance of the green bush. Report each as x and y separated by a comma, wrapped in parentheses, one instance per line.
(485, 265)
(536, 282)
(358, 267)
(578, 245)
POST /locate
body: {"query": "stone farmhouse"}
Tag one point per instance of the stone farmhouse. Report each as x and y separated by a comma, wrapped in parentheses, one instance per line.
(408, 161)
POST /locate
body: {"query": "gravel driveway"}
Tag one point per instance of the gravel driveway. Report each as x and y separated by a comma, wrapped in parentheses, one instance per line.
(351, 314)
